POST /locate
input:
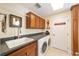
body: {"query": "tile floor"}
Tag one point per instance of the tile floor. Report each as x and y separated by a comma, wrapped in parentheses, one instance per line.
(56, 52)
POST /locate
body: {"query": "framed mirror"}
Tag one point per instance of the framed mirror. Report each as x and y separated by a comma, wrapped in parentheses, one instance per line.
(15, 21)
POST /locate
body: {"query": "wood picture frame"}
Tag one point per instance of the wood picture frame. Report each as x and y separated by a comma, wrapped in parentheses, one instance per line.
(13, 19)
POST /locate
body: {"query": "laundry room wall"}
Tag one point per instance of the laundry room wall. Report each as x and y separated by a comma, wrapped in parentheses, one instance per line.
(66, 14)
(13, 31)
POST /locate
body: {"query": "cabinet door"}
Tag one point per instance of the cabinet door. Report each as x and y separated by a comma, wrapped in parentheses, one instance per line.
(27, 22)
(31, 51)
(74, 12)
(32, 21)
(20, 52)
(78, 29)
(37, 22)
(40, 24)
(43, 23)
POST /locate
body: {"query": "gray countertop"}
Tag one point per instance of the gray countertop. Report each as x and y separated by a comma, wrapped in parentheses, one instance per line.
(5, 50)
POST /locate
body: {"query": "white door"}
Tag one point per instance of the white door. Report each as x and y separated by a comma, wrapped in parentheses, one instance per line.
(60, 33)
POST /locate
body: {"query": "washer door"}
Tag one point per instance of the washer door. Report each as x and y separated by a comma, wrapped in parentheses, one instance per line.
(44, 47)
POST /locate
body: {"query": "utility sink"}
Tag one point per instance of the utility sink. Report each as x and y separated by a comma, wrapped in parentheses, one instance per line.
(18, 42)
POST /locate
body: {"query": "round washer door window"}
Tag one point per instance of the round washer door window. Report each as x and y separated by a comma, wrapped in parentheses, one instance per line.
(44, 47)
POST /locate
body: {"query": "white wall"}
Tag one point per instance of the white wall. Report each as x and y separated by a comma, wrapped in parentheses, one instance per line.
(13, 31)
(60, 15)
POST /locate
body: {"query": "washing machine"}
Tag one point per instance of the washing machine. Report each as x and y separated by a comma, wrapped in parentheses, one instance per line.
(43, 46)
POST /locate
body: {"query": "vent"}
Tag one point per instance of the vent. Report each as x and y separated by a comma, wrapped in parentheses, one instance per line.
(37, 5)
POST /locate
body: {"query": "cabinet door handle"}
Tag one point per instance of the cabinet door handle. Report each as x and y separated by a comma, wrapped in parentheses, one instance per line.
(27, 54)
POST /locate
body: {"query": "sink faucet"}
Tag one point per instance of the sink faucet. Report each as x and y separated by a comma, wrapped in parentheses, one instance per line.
(19, 31)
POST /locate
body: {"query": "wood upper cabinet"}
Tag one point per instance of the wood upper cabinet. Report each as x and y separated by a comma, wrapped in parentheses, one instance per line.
(75, 19)
(29, 50)
(32, 21)
(35, 22)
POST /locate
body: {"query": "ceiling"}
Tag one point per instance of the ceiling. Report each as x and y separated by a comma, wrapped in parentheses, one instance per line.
(45, 10)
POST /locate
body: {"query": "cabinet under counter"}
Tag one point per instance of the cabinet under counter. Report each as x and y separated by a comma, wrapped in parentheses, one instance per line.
(27, 50)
